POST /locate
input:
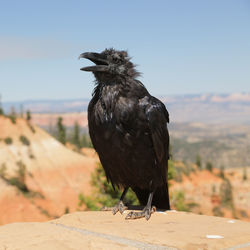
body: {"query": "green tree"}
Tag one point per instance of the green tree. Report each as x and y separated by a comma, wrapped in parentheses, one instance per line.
(179, 201)
(61, 130)
(8, 140)
(226, 194)
(24, 140)
(28, 115)
(12, 115)
(1, 107)
(21, 110)
(1, 111)
(105, 194)
(66, 210)
(222, 174)
(217, 211)
(86, 141)
(28, 119)
(170, 152)
(209, 166)
(198, 162)
(171, 170)
(19, 179)
(3, 169)
(244, 177)
(76, 135)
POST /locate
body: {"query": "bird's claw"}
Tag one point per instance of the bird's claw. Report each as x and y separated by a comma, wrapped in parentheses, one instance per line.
(146, 212)
(119, 207)
(106, 208)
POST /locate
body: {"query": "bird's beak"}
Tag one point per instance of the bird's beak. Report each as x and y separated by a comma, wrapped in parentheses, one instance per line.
(99, 59)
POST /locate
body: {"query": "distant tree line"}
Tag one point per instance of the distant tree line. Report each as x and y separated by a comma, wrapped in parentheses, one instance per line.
(75, 136)
(208, 166)
(13, 115)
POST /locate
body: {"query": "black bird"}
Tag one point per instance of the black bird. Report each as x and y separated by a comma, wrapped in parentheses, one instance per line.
(128, 129)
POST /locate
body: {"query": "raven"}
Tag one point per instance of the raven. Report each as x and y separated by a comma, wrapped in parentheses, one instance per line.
(128, 129)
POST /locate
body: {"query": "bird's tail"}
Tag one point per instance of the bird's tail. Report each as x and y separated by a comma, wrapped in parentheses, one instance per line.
(160, 197)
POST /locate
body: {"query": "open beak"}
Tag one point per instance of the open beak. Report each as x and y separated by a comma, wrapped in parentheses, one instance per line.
(99, 59)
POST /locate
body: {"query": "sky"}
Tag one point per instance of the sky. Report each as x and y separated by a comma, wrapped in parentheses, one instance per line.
(180, 47)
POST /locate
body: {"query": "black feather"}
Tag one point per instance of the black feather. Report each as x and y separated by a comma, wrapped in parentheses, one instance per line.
(128, 128)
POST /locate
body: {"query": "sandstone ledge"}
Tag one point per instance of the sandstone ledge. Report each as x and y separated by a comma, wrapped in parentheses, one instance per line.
(102, 230)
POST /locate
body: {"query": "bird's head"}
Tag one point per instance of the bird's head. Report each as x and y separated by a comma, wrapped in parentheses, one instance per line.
(110, 64)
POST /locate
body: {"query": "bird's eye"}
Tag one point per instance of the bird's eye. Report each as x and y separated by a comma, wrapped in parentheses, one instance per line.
(116, 58)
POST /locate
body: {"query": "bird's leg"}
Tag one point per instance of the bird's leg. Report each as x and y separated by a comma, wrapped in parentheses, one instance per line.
(119, 206)
(146, 212)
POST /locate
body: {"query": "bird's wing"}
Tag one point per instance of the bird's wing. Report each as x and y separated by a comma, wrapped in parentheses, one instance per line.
(157, 118)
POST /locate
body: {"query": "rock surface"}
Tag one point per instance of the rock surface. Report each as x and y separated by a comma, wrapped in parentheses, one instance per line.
(102, 230)
(54, 175)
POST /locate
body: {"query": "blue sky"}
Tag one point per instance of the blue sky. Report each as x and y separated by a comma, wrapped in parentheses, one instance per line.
(181, 47)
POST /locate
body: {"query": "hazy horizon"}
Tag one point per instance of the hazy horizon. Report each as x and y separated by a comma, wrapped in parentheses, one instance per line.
(88, 98)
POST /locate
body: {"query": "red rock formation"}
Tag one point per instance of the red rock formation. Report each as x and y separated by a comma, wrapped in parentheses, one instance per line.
(55, 175)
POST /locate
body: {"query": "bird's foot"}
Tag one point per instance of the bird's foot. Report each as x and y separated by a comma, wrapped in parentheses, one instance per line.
(146, 212)
(118, 207)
